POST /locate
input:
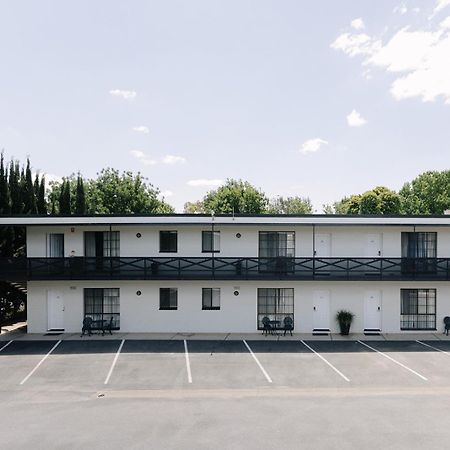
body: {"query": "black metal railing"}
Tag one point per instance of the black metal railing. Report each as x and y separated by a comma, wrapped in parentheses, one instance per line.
(218, 268)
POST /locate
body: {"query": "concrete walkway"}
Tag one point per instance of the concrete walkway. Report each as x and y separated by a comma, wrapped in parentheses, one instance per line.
(17, 333)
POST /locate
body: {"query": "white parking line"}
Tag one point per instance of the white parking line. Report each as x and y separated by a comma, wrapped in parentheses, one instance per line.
(40, 362)
(6, 345)
(257, 362)
(394, 361)
(326, 362)
(430, 346)
(114, 362)
(188, 364)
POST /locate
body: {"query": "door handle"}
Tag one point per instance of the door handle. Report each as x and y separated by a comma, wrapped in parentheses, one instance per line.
(379, 308)
(314, 308)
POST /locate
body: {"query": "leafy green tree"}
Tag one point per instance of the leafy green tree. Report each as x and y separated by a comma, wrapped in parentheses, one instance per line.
(290, 205)
(194, 207)
(125, 193)
(235, 196)
(28, 193)
(41, 201)
(5, 198)
(65, 197)
(428, 193)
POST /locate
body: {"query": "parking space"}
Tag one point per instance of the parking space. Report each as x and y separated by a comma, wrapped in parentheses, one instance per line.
(224, 364)
(150, 365)
(113, 364)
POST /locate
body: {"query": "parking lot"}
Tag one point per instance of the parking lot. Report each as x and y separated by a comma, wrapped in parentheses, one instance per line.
(168, 391)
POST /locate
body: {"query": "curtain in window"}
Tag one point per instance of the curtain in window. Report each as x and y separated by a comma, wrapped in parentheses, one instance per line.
(55, 245)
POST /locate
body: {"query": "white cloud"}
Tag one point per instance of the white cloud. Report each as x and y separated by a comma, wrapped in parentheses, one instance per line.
(354, 119)
(141, 129)
(143, 158)
(440, 5)
(172, 159)
(401, 9)
(126, 95)
(419, 58)
(357, 24)
(205, 182)
(312, 145)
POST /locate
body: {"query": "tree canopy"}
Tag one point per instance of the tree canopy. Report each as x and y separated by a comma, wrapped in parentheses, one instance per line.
(235, 196)
(428, 193)
(290, 205)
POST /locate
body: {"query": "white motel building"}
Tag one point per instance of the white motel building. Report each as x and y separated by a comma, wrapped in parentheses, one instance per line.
(225, 274)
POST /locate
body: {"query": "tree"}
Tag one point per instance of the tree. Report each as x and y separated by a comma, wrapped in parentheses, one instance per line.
(80, 205)
(379, 200)
(126, 193)
(235, 196)
(290, 205)
(28, 193)
(194, 207)
(5, 198)
(41, 202)
(64, 198)
(428, 193)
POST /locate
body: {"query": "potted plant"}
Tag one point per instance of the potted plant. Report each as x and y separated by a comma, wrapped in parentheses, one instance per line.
(344, 319)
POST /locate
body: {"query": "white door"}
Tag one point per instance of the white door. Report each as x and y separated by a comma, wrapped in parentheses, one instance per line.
(55, 310)
(373, 245)
(372, 310)
(322, 245)
(321, 310)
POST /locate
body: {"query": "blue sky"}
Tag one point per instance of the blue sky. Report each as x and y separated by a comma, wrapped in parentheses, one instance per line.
(312, 98)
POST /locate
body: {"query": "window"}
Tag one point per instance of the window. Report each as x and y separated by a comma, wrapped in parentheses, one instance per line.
(101, 243)
(168, 241)
(419, 245)
(211, 298)
(210, 241)
(168, 298)
(55, 245)
(418, 309)
(276, 304)
(273, 244)
(419, 251)
(103, 304)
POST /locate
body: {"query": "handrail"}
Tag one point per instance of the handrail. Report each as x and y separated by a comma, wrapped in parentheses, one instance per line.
(225, 268)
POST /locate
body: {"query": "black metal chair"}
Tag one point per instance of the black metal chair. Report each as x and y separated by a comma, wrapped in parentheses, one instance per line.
(267, 328)
(87, 326)
(446, 324)
(108, 326)
(288, 325)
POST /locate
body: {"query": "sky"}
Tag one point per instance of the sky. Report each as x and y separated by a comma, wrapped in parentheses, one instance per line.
(320, 99)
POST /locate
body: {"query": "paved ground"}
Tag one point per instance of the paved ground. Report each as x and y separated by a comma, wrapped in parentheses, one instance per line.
(224, 394)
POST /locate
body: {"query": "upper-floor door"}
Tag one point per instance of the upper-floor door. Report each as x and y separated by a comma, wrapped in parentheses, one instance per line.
(322, 245)
(373, 247)
(55, 245)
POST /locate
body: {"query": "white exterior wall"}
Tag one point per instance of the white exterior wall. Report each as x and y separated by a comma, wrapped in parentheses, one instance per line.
(237, 314)
(345, 241)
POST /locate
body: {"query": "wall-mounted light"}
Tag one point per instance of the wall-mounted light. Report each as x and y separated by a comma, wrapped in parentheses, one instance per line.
(238, 235)
(138, 235)
(138, 293)
(236, 293)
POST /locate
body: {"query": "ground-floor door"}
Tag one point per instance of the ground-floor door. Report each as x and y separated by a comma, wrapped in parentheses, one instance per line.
(372, 310)
(321, 310)
(55, 310)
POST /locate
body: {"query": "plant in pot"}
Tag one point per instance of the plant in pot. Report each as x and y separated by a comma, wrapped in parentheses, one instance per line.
(344, 319)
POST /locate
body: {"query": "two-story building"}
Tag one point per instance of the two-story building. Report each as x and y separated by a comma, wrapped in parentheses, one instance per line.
(200, 273)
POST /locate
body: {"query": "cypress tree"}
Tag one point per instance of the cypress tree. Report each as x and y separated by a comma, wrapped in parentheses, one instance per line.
(64, 198)
(14, 188)
(80, 206)
(5, 199)
(29, 196)
(41, 203)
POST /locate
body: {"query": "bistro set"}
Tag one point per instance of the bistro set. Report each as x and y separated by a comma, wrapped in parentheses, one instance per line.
(275, 327)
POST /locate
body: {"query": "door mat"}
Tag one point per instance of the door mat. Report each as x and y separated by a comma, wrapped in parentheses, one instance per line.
(372, 333)
(52, 334)
(320, 333)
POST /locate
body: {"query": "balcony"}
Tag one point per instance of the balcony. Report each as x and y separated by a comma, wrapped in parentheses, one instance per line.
(217, 268)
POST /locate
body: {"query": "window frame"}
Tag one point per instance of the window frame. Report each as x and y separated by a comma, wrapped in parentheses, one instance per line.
(171, 233)
(170, 291)
(210, 307)
(285, 249)
(280, 310)
(99, 295)
(212, 241)
(416, 317)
